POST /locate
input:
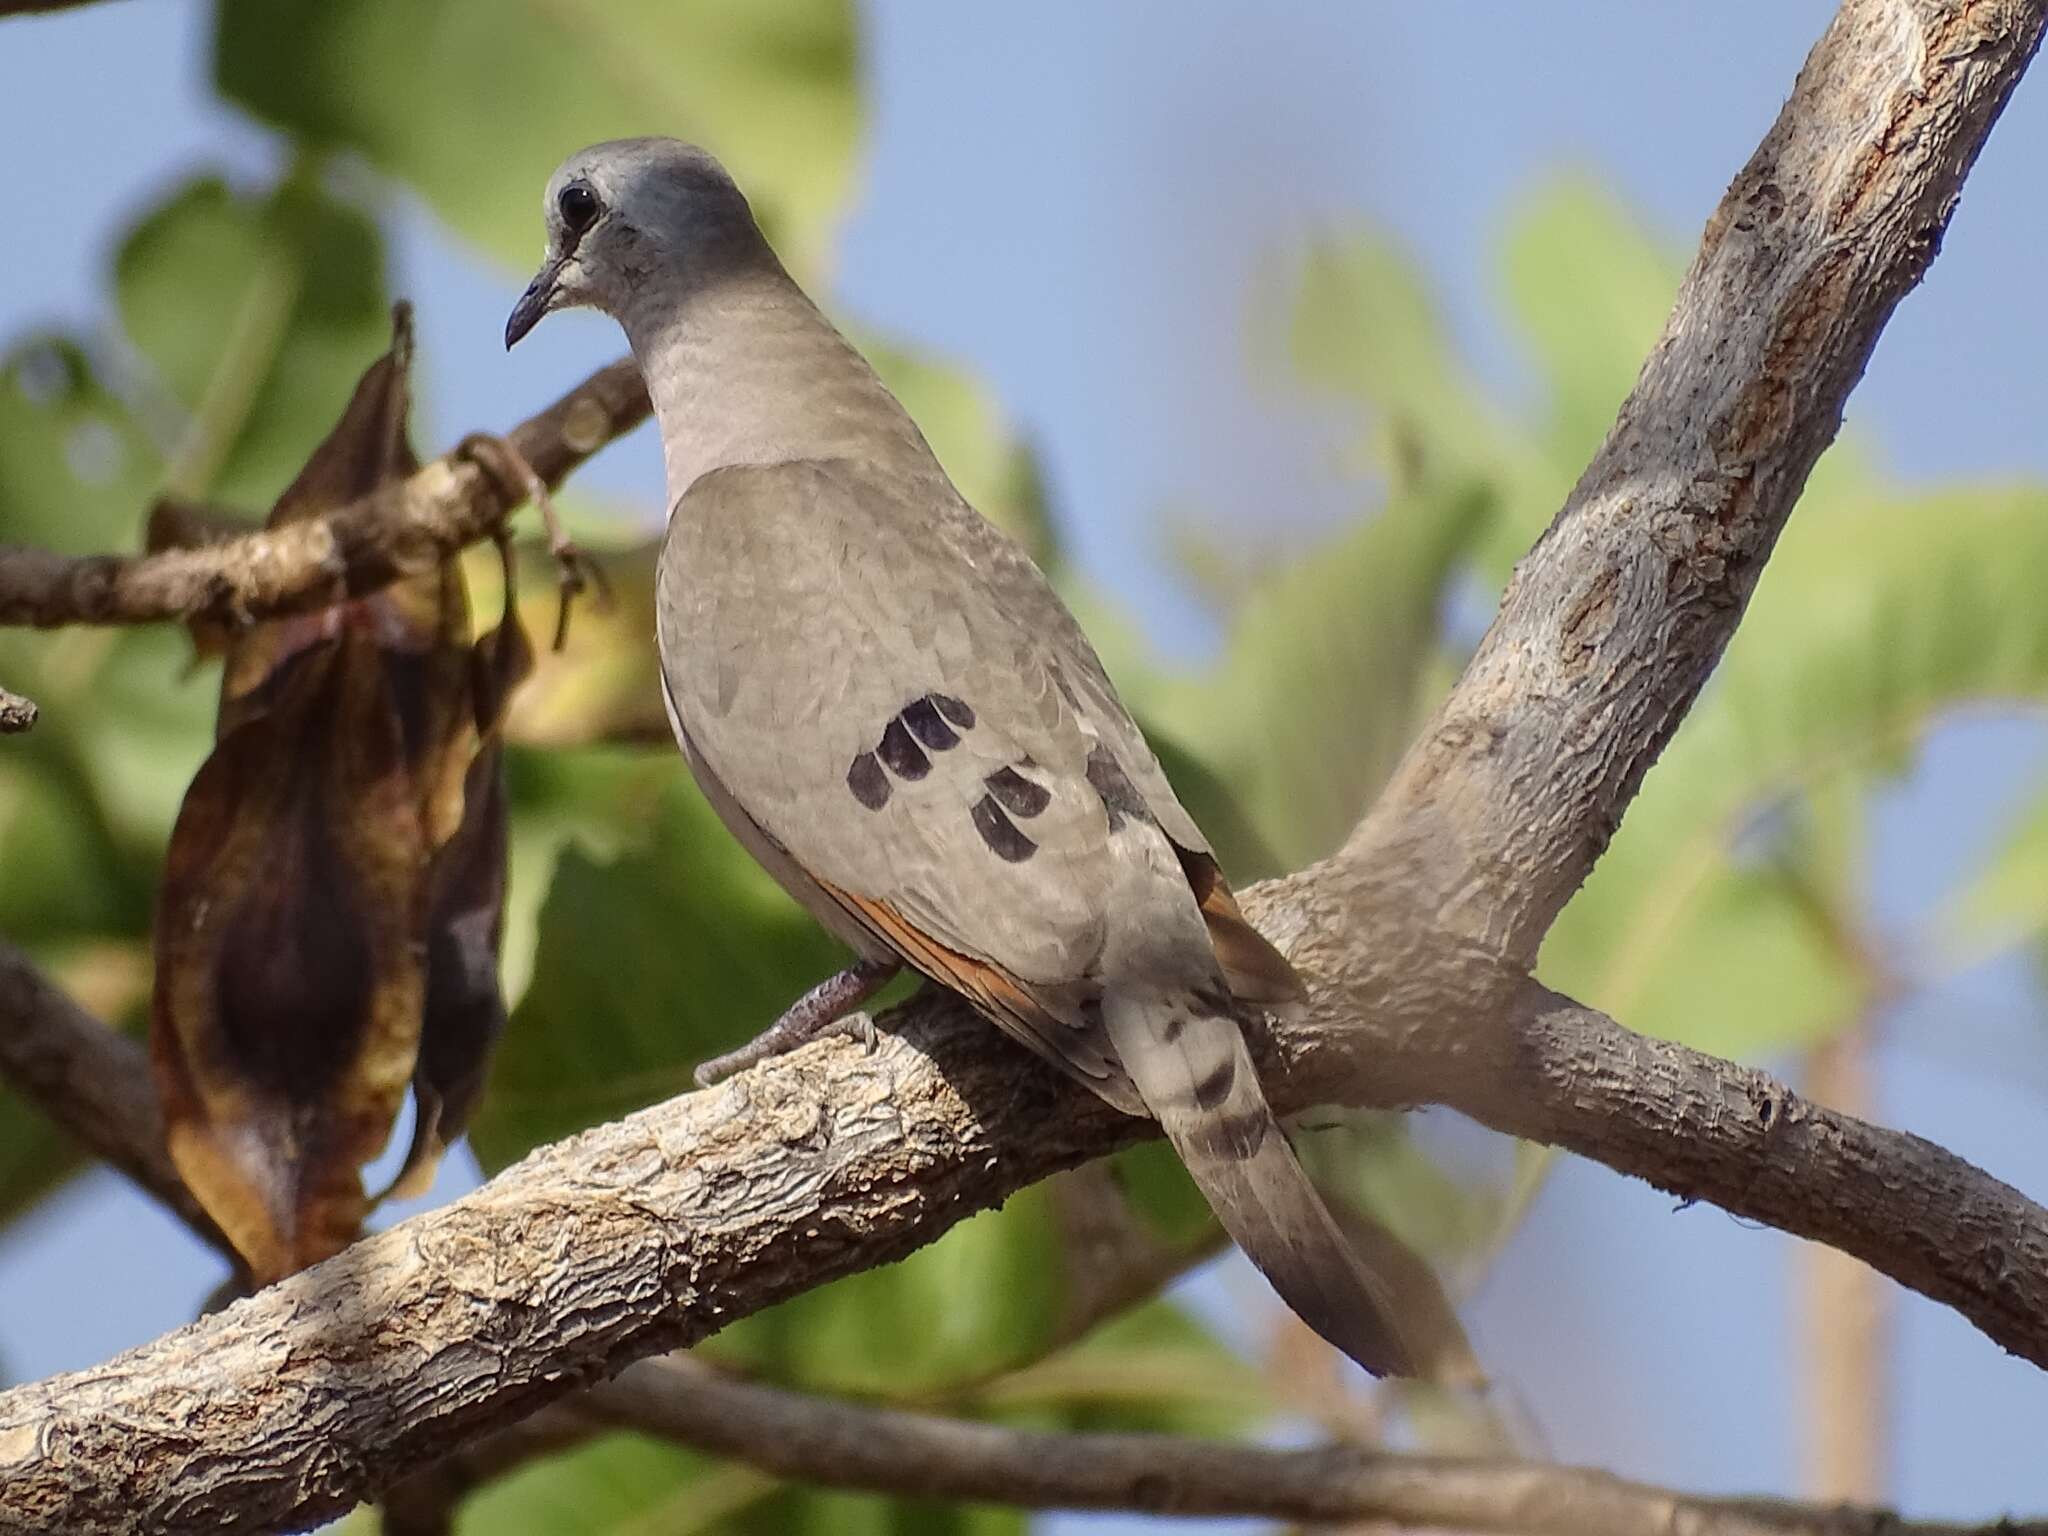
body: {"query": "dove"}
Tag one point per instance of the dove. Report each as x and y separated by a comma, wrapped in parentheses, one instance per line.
(890, 708)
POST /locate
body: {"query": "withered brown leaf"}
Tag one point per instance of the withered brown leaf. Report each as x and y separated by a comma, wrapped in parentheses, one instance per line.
(327, 932)
(465, 1008)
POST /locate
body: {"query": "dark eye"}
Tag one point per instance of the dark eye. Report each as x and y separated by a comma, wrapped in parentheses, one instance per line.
(579, 207)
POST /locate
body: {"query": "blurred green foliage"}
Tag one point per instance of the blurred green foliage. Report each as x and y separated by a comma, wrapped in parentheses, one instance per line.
(640, 939)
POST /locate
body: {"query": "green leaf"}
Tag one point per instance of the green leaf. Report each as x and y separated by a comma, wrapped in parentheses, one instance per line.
(34, 1158)
(982, 1298)
(1152, 1369)
(823, 1513)
(606, 1486)
(1872, 621)
(474, 102)
(256, 314)
(1320, 687)
(1370, 1158)
(666, 944)
(1589, 291)
(1240, 847)
(1157, 1186)
(661, 945)
(1352, 318)
(75, 465)
(626, 1485)
(86, 799)
(2005, 902)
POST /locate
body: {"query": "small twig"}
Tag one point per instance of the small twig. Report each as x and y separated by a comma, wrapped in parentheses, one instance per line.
(447, 504)
(814, 1440)
(93, 1082)
(574, 571)
(16, 713)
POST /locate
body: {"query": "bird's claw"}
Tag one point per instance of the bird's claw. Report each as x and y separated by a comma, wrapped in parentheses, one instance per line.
(575, 572)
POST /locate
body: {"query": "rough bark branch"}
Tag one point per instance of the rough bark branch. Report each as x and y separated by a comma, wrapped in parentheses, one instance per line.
(449, 503)
(811, 1440)
(664, 1227)
(1565, 1052)
(1612, 624)
(41, 7)
(16, 713)
(93, 1082)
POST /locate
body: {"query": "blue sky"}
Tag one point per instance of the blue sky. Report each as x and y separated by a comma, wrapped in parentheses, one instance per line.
(1075, 204)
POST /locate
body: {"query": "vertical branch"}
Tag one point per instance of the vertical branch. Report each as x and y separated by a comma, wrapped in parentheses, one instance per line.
(1844, 1317)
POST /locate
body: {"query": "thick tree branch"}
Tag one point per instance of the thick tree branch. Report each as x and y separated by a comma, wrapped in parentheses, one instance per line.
(41, 7)
(1706, 1129)
(93, 1082)
(661, 1229)
(666, 1226)
(814, 1440)
(16, 713)
(449, 503)
(1612, 624)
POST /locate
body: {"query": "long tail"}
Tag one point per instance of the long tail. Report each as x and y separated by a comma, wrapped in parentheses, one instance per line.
(1190, 1065)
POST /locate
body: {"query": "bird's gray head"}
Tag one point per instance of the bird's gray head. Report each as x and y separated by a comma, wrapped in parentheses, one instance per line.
(629, 211)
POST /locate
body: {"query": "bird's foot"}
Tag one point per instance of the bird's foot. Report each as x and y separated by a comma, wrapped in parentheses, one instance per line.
(819, 1011)
(500, 458)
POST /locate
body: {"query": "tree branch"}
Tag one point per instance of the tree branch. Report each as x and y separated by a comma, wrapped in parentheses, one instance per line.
(664, 1227)
(41, 7)
(449, 503)
(1706, 1129)
(94, 1082)
(813, 1440)
(1610, 627)
(330, 1386)
(16, 713)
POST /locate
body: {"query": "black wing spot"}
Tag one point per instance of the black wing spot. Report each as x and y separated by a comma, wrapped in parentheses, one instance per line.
(922, 716)
(1119, 796)
(1017, 794)
(905, 758)
(1000, 833)
(869, 784)
(953, 710)
(1214, 1087)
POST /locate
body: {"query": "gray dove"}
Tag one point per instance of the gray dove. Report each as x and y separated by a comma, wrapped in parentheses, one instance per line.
(889, 707)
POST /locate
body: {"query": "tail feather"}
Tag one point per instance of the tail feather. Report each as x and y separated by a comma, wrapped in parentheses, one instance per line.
(1187, 1057)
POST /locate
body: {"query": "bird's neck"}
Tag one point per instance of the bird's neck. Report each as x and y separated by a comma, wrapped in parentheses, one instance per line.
(747, 371)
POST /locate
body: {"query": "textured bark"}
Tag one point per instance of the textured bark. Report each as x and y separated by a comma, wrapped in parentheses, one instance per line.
(91, 1081)
(812, 1441)
(1612, 624)
(452, 502)
(666, 1226)
(16, 712)
(662, 1228)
